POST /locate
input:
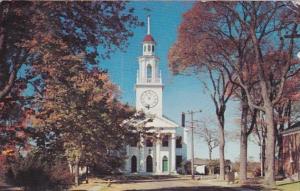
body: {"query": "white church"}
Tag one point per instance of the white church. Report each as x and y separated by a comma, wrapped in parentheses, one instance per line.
(166, 152)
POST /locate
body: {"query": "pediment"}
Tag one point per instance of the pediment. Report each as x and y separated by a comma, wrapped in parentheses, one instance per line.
(157, 121)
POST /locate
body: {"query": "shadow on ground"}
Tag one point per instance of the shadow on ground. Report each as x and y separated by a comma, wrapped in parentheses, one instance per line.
(10, 188)
(199, 188)
(140, 179)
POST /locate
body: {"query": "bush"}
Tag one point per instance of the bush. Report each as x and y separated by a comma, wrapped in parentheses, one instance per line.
(35, 173)
(112, 166)
(256, 172)
(180, 170)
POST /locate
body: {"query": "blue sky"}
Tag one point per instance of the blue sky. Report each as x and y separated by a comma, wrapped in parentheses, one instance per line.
(181, 93)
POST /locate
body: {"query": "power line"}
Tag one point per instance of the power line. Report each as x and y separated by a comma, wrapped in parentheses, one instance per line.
(192, 139)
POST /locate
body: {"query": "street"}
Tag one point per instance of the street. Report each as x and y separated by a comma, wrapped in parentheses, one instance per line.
(165, 184)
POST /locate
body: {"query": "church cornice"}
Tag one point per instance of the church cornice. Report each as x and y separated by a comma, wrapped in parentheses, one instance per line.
(148, 57)
(149, 85)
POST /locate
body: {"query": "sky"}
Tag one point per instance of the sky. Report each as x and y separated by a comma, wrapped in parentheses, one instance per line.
(181, 93)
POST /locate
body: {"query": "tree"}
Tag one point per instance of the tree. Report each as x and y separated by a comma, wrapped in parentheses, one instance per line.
(259, 134)
(13, 131)
(32, 31)
(244, 35)
(210, 137)
(80, 118)
(247, 123)
(220, 94)
(220, 88)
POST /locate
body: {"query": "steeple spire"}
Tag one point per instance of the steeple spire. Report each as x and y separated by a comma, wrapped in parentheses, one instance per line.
(148, 28)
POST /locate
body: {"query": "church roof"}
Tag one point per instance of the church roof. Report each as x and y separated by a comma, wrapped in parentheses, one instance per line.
(161, 122)
(149, 38)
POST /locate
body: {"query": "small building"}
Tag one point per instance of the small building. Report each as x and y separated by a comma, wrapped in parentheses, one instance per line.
(291, 151)
(206, 166)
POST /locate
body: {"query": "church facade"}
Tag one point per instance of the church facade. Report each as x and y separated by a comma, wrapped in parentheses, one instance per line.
(164, 151)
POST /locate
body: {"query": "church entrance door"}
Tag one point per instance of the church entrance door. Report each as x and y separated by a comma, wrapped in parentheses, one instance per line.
(133, 164)
(149, 163)
(165, 164)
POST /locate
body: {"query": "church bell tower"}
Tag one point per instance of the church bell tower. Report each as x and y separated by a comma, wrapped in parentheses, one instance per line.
(148, 82)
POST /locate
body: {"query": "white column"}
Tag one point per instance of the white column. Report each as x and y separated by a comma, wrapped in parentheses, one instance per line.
(157, 150)
(142, 156)
(173, 153)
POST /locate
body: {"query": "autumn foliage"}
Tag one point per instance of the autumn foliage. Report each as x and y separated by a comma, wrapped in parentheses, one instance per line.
(52, 89)
(254, 43)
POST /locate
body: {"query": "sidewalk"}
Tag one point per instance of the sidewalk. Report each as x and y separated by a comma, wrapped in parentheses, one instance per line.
(93, 185)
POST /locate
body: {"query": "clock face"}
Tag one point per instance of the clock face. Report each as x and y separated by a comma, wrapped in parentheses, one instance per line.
(149, 99)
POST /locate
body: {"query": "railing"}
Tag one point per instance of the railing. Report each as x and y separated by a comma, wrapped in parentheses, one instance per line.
(148, 80)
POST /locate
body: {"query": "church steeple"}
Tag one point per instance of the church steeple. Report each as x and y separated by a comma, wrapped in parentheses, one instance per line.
(148, 81)
(148, 72)
(148, 42)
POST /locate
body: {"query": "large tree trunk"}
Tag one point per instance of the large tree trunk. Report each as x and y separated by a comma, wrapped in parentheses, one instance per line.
(209, 154)
(243, 143)
(270, 147)
(221, 150)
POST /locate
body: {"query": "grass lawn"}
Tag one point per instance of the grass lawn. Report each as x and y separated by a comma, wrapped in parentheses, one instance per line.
(289, 186)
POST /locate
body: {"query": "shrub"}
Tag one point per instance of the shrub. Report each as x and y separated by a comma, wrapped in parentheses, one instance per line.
(35, 173)
(180, 170)
(256, 172)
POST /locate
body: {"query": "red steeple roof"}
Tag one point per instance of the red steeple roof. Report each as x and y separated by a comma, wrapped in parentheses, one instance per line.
(149, 38)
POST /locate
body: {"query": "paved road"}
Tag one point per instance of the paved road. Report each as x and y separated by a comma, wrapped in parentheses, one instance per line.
(179, 184)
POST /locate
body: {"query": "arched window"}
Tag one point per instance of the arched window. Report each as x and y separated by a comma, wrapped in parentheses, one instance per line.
(145, 48)
(149, 71)
(152, 48)
(149, 164)
(149, 48)
(133, 164)
(165, 141)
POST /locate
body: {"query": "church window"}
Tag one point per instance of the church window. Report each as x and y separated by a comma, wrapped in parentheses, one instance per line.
(149, 71)
(133, 142)
(149, 48)
(145, 48)
(165, 164)
(133, 164)
(149, 143)
(165, 141)
(149, 164)
(152, 48)
(179, 142)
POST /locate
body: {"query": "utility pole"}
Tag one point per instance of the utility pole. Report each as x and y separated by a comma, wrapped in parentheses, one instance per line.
(192, 139)
(193, 154)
